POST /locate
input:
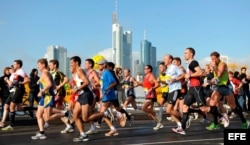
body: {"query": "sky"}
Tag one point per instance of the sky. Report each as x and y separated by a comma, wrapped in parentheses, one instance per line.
(84, 27)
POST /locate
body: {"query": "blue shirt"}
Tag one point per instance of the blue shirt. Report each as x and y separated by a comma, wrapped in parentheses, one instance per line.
(106, 80)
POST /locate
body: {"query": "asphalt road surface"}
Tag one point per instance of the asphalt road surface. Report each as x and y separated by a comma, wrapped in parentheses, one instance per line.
(141, 133)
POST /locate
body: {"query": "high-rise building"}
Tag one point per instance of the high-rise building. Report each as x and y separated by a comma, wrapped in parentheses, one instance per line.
(117, 43)
(148, 55)
(121, 44)
(145, 52)
(59, 53)
(126, 61)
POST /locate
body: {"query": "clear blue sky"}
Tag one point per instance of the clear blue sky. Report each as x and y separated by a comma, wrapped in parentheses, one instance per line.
(28, 27)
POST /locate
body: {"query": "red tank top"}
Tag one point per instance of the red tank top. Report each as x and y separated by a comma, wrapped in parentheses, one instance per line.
(147, 85)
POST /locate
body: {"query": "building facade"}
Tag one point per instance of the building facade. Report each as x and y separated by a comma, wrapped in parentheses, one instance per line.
(59, 53)
(148, 55)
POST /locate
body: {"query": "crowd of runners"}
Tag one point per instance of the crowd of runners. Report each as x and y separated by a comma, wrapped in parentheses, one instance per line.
(185, 91)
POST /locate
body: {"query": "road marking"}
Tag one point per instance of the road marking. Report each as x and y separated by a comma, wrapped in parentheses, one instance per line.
(181, 141)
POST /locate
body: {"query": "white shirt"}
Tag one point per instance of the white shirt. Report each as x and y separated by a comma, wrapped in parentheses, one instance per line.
(17, 73)
(173, 72)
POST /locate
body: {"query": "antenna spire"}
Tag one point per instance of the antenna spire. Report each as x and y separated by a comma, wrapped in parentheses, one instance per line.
(116, 6)
(114, 15)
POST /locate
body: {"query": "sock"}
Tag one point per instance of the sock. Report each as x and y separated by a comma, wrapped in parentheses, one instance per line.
(184, 119)
(238, 111)
(179, 124)
(214, 112)
(42, 132)
(12, 118)
(112, 128)
(68, 125)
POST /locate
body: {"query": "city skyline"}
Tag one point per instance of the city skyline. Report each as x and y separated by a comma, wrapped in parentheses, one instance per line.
(84, 28)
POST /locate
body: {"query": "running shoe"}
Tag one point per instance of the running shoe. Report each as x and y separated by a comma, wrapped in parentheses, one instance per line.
(39, 136)
(170, 118)
(213, 127)
(158, 126)
(112, 133)
(81, 138)
(8, 128)
(67, 130)
(225, 120)
(245, 125)
(179, 130)
(91, 131)
(232, 116)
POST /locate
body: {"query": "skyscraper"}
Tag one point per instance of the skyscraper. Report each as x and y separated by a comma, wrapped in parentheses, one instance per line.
(117, 43)
(126, 61)
(148, 55)
(121, 44)
(145, 52)
(59, 53)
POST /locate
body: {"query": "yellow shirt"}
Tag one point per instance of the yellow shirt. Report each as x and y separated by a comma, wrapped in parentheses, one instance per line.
(164, 87)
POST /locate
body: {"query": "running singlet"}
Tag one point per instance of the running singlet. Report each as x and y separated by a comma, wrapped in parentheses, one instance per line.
(223, 79)
(95, 91)
(193, 81)
(147, 85)
(47, 100)
(129, 87)
(164, 87)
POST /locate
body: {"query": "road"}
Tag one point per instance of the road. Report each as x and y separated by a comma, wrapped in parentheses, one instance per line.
(141, 133)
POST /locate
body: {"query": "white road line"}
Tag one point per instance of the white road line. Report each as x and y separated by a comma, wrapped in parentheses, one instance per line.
(181, 141)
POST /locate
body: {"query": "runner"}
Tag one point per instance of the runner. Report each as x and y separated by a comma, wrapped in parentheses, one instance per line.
(109, 97)
(195, 92)
(162, 79)
(174, 76)
(95, 87)
(150, 84)
(222, 90)
(16, 84)
(85, 97)
(46, 103)
(59, 80)
(128, 85)
(121, 114)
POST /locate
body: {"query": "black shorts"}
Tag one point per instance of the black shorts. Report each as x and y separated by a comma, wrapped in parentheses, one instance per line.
(16, 96)
(86, 98)
(208, 93)
(115, 102)
(152, 99)
(130, 93)
(182, 96)
(173, 96)
(195, 94)
(165, 95)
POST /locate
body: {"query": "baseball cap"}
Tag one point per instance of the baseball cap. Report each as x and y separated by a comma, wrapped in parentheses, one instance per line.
(102, 61)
